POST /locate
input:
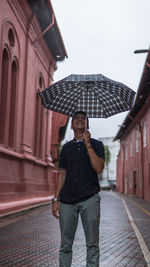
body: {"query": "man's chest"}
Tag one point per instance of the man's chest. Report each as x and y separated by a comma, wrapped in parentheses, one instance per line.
(77, 154)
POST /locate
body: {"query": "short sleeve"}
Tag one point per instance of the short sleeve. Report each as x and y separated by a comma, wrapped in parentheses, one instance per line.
(62, 160)
(99, 149)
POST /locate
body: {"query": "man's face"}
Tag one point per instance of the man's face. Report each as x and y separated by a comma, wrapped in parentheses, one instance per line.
(78, 122)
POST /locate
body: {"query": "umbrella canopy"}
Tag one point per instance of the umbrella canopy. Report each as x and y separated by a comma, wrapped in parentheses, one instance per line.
(94, 94)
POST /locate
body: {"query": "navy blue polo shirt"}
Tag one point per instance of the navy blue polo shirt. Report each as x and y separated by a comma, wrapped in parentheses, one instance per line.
(81, 179)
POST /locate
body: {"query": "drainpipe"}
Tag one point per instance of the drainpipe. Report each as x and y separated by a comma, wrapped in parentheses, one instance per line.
(142, 157)
(142, 160)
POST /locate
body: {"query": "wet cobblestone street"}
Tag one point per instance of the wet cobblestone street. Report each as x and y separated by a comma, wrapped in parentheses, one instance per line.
(32, 239)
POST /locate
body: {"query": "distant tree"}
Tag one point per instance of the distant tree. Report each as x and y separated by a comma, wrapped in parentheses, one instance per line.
(59, 149)
(107, 159)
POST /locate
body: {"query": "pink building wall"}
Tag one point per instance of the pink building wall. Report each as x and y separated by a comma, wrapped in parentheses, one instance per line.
(131, 177)
(26, 167)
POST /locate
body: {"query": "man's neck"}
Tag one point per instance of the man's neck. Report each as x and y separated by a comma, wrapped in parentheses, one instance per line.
(78, 136)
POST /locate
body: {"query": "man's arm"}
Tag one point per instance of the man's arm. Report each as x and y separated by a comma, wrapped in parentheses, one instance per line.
(60, 183)
(96, 162)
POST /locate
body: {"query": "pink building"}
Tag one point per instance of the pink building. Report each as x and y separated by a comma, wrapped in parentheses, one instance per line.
(133, 164)
(27, 64)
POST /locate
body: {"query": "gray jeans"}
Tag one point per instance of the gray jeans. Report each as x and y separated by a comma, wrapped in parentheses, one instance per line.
(89, 211)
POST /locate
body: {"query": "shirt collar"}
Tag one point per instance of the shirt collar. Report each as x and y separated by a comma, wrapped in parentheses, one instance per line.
(77, 141)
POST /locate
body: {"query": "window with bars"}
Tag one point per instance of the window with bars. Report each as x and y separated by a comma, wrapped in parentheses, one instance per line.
(131, 148)
(137, 140)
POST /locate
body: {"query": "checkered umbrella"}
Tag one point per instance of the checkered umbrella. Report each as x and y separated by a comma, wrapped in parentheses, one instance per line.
(94, 94)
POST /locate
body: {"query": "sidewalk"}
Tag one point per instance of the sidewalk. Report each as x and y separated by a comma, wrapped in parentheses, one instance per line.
(32, 239)
(12, 207)
(140, 210)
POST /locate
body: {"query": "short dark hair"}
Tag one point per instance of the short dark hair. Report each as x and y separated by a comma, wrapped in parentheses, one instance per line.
(78, 112)
(81, 112)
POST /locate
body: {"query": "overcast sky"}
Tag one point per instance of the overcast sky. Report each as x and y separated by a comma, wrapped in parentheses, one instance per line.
(100, 36)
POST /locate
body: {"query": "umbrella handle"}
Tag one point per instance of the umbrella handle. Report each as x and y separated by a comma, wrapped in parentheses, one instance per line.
(85, 123)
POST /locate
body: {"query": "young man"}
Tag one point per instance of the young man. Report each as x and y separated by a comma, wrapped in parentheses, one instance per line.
(78, 191)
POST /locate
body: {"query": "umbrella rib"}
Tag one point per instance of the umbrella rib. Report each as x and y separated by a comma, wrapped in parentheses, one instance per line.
(97, 96)
(116, 107)
(64, 101)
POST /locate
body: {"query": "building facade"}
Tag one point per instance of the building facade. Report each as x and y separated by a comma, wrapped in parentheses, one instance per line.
(133, 163)
(27, 63)
(110, 172)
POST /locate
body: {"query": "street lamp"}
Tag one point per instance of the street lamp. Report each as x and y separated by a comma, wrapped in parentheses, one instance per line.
(122, 125)
(140, 51)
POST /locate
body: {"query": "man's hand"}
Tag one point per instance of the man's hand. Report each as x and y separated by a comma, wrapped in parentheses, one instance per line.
(60, 183)
(56, 209)
(87, 137)
(96, 162)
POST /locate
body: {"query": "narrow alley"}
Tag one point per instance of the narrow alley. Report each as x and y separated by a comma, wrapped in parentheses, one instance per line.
(31, 238)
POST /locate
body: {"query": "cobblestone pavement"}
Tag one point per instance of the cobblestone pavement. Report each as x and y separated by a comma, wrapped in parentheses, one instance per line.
(31, 239)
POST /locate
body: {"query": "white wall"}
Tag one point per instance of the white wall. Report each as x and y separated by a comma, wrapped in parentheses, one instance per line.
(114, 149)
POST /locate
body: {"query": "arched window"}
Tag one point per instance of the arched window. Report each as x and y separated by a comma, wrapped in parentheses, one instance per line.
(12, 105)
(40, 82)
(3, 95)
(38, 121)
(8, 90)
(11, 38)
(40, 129)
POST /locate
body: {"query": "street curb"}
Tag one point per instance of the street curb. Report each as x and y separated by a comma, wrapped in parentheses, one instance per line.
(15, 212)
